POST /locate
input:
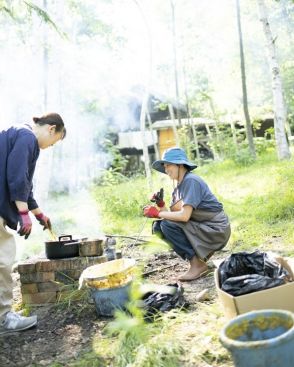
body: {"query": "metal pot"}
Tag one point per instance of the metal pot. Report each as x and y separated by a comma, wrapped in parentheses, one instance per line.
(91, 247)
(63, 248)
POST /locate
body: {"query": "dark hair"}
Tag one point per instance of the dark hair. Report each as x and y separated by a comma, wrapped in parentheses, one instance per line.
(51, 119)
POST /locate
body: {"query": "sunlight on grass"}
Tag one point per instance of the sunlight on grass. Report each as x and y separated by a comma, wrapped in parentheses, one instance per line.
(175, 339)
(259, 200)
(199, 340)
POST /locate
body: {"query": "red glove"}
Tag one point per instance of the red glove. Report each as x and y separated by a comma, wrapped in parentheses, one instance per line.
(44, 221)
(150, 211)
(157, 198)
(25, 223)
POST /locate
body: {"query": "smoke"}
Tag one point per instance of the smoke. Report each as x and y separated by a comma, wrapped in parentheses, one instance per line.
(95, 76)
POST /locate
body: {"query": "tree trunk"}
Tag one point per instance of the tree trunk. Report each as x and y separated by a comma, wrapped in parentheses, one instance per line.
(172, 3)
(45, 61)
(157, 156)
(143, 135)
(144, 107)
(212, 145)
(44, 169)
(277, 88)
(244, 87)
(233, 129)
(172, 117)
(217, 133)
(194, 132)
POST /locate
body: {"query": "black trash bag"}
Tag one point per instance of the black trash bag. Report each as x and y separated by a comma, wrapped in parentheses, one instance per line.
(154, 302)
(244, 272)
(249, 283)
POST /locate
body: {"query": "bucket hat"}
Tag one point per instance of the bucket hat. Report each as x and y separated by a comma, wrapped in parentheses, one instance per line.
(174, 156)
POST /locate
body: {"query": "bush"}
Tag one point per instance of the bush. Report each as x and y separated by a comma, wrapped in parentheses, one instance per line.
(122, 204)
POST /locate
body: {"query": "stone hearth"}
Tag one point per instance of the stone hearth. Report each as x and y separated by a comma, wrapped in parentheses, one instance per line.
(48, 281)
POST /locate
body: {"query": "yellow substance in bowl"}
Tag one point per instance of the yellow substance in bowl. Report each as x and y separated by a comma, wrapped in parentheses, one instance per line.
(110, 274)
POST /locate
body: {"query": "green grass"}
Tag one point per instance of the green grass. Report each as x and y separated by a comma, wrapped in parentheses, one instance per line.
(259, 200)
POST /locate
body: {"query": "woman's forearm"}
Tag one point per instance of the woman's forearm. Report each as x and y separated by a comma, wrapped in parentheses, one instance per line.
(179, 216)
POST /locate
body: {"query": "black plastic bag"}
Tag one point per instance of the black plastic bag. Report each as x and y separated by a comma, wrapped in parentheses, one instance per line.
(154, 302)
(244, 272)
(249, 283)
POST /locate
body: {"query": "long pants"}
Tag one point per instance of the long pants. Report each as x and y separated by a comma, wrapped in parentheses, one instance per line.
(174, 236)
(7, 258)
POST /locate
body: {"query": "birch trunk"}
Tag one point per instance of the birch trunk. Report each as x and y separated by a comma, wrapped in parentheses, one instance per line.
(194, 132)
(144, 108)
(143, 135)
(172, 117)
(174, 37)
(153, 140)
(44, 168)
(277, 88)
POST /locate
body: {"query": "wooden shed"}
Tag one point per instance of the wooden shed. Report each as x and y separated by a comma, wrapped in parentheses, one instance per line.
(166, 131)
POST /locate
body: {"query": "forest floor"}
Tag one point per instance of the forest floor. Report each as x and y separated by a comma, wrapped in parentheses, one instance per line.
(65, 332)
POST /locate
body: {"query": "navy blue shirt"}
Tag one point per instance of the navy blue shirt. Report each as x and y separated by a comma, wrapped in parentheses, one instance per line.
(19, 151)
(195, 192)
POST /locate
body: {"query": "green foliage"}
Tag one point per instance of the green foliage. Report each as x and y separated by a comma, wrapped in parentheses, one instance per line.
(111, 177)
(259, 200)
(288, 79)
(118, 160)
(185, 140)
(88, 360)
(263, 146)
(242, 156)
(115, 174)
(141, 344)
(19, 10)
(240, 153)
(226, 148)
(89, 24)
(31, 7)
(121, 205)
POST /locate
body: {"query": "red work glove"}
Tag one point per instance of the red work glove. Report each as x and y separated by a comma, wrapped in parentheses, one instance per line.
(150, 211)
(44, 221)
(25, 224)
(157, 198)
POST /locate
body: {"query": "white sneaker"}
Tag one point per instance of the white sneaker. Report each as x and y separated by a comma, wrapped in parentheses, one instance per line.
(15, 322)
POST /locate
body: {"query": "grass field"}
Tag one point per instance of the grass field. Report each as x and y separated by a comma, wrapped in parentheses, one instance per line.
(259, 200)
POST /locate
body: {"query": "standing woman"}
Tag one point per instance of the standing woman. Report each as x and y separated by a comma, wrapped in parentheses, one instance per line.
(196, 225)
(19, 151)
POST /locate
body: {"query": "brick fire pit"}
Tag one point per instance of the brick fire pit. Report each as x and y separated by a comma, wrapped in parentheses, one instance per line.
(49, 281)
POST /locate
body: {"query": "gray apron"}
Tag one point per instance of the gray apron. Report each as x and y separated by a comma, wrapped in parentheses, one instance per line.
(206, 231)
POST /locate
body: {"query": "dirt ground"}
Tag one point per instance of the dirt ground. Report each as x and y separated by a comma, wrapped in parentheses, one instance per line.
(65, 332)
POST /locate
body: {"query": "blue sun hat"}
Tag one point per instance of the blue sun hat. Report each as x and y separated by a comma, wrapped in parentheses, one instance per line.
(174, 156)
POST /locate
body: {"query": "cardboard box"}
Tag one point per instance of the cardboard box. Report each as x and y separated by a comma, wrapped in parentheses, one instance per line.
(281, 297)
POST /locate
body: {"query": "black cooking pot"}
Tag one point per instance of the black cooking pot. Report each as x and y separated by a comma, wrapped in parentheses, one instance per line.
(63, 248)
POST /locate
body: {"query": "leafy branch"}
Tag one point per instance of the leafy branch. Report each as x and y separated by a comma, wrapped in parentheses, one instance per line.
(30, 7)
(43, 15)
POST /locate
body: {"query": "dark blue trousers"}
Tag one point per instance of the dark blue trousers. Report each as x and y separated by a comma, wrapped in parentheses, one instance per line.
(174, 236)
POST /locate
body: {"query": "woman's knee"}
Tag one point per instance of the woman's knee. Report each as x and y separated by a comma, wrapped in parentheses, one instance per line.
(168, 227)
(156, 228)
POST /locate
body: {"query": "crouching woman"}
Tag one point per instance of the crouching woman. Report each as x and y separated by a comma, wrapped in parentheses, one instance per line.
(196, 225)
